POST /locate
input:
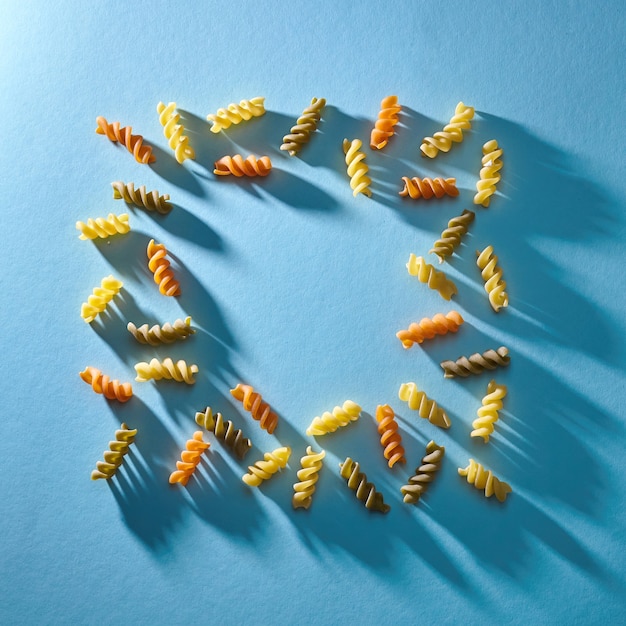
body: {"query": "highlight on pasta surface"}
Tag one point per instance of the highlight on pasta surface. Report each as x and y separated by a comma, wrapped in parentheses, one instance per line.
(495, 286)
(387, 119)
(476, 363)
(485, 480)
(428, 275)
(330, 422)
(169, 118)
(390, 438)
(97, 302)
(489, 175)
(253, 403)
(427, 328)
(150, 200)
(101, 227)
(271, 463)
(420, 402)
(488, 412)
(308, 475)
(166, 369)
(114, 456)
(357, 168)
(160, 267)
(238, 166)
(225, 431)
(363, 490)
(427, 188)
(167, 333)
(111, 389)
(236, 113)
(189, 459)
(451, 236)
(305, 126)
(418, 483)
(133, 143)
(452, 132)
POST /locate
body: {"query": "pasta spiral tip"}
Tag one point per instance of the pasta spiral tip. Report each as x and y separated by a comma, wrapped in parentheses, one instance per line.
(330, 422)
(100, 297)
(166, 369)
(169, 118)
(133, 143)
(357, 168)
(428, 188)
(150, 200)
(364, 491)
(488, 413)
(238, 166)
(254, 404)
(110, 389)
(266, 468)
(495, 287)
(305, 126)
(489, 173)
(236, 113)
(103, 227)
(476, 363)
(427, 408)
(451, 133)
(424, 474)
(224, 430)
(160, 267)
(451, 236)
(307, 478)
(189, 459)
(390, 438)
(484, 480)
(168, 333)
(428, 275)
(427, 328)
(387, 119)
(114, 456)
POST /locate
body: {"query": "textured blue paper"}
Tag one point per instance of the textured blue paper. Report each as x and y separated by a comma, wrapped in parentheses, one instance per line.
(298, 288)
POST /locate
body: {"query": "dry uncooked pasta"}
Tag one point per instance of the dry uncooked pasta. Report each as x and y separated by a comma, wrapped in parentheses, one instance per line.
(133, 143)
(484, 480)
(427, 408)
(114, 456)
(266, 468)
(103, 227)
(150, 200)
(110, 389)
(476, 363)
(330, 422)
(224, 430)
(236, 113)
(160, 267)
(253, 402)
(307, 478)
(452, 132)
(167, 333)
(167, 369)
(304, 128)
(428, 188)
(189, 459)
(451, 236)
(495, 287)
(488, 413)
(428, 275)
(100, 297)
(424, 474)
(390, 438)
(238, 166)
(489, 173)
(427, 328)
(364, 491)
(169, 118)
(357, 168)
(387, 119)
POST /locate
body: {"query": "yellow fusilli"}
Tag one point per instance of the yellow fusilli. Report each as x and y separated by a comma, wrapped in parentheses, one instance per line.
(174, 132)
(224, 430)
(387, 119)
(100, 297)
(452, 132)
(167, 333)
(114, 456)
(489, 173)
(156, 370)
(364, 491)
(150, 200)
(189, 459)
(307, 478)
(424, 474)
(488, 413)
(427, 274)
(357, 169)
(451, 236)
(330, 422)
(305, 126)
(103, 227)
(487, 262)
(236, 113)
(476, 363)
(482, 479)
(265, 469)
(427, 408)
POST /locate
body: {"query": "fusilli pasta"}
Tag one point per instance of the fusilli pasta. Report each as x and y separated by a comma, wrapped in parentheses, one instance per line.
(424, 474)
(387, 119)
(427, 328)
(114, 456)
(224, 430)
(364, 491)
(488, 413)
(482, 479)
(265, 469)
(305, 126)
(236, 113)
(451, 236)
(330, 422)
(357, 168)
(110, 389)
(427, 188)
(489, 173)
(307, 478)
(238, 166)
(150, 200)
(100, 297)
(168, 333)
(487, 262)
(476, 363)
(253, 402)
(390, 438)
(452, 132)
(160, 267)
(189, 459)
(156, 370)
(428, 275)
(427, 408)
(169, 118)
(103, 227)
(133, 143)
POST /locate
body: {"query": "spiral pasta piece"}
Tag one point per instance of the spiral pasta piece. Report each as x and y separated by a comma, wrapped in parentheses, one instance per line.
(428, 328)
(189, 459)
(452, 132)
(487, 262)
(427, 188)
(307, 478)
(428, 275)
(357, 168)
(330, 422)
(160, 267)
(110, 389)
(253, 403)
(390, 438)
(114, 456)
(238, 166)
(150, 200)
(224, 430)
(489, 173)
(427, 408)
(236, 113)
(424, 474)
(451, 236)
(488, 413)
(266, 468)
(169, 118)
(103, 227)
(364, 491)
(305, 126)
(168, 333)
(100, 297)
(482, 479)
(476, 363)
(387, 119)
(133, 143)
(157, 370)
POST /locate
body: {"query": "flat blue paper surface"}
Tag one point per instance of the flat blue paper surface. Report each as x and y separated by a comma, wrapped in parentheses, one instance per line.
(298, 289)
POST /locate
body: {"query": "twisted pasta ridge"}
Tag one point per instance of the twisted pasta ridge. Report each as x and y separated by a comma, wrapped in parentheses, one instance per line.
(110, 389)
(390, 438)
(160, 267)
(189, 459)
(487, 262)
(179, 371)
(482, 479)
(426, 188)
(357, 168)
(476, 363)
(253, 403)
(238, 166)
(428, 328)
(133, 143)
(488, 413)
(427, 408)
(428, 275)
(364, 491)
(224, 430)
(150, 200)
(305, 126)
(489, 173)
(452, 132)
(236, 113)
(384, 126)
(114, 456)
(168, 333)
(330, 422)
(307, 478)
(451, 236)
(266, 468)
(100, 297)
(424, 474)
(169, 118)
(103, 227)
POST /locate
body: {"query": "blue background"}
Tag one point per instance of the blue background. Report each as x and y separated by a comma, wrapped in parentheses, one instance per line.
(298, 288)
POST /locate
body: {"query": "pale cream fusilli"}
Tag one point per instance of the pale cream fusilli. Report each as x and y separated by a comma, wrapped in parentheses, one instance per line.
(495, 287)
(484, 480)
(167, 333)
(488, 413)
(330, 422)
(427, 408)
(157, 370)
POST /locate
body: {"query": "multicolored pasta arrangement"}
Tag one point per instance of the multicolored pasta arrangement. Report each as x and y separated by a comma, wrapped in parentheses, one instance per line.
(387, 425)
